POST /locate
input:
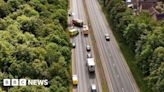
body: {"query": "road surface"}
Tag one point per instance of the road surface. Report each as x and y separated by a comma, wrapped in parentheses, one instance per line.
(79, 54)
(118, 75)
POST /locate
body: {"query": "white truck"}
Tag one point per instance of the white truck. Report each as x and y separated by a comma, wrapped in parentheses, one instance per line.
(91, 65)
(75, 80)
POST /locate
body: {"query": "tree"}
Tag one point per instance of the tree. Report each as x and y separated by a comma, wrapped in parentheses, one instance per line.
(29, 89)
(157, 58)
(3, 24)
(13, 4)
(156, 37)
(40, 68)
(28, 24)
(61, 16)
(156, 79)
(4, 11)
(53, 1)
(33, 43)
(52, 53)
(144, 36)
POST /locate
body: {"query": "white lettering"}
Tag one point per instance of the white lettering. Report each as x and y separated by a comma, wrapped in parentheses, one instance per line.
(38, 82)
(45, 82)
(22, 82)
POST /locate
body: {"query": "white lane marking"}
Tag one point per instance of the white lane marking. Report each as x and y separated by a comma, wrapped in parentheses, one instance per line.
(122, 89)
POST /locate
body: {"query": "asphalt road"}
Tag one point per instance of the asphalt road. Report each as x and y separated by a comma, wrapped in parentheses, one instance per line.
(79, 54)
(117, 72)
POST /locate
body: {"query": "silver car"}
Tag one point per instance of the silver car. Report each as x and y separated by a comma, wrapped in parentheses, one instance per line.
(88, 48)
(93, 88)
(107, 37)
(73, 45)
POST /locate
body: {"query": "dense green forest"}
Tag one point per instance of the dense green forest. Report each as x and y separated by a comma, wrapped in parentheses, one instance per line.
(144, 36)
(34, 44)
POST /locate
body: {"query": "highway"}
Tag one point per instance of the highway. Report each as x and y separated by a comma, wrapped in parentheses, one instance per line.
(117, 73)
(79, 54)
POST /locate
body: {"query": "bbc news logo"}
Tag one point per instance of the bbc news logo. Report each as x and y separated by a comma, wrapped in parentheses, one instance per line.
(24, 82)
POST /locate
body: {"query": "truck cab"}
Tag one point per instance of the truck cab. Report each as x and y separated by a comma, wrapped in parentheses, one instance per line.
(91, 65)
(74, 80)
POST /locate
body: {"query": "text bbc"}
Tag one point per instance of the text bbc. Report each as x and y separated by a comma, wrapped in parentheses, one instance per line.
(24, 82)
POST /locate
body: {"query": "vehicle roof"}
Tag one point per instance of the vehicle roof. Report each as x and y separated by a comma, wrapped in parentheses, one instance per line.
(73, 13)
(74, 77)
(79, 20)
(90, 61)
(85, 27)
(88, 46)
(93, 86)
(88, 53)
(106, 34)
(73, 30)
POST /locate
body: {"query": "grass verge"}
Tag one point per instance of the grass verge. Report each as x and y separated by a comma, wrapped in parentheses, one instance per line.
(104, 86)
(129, 57)
(70, 86)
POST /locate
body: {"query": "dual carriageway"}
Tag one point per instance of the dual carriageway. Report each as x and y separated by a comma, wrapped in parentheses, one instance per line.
(116, 72)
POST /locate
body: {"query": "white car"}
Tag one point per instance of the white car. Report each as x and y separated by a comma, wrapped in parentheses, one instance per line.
(85, 29)
(93, 88)
(71, 14)
(88, 48)
(107, 37)
(73, 45)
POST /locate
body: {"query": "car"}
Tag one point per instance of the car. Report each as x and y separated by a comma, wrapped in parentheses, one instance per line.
(74, 80)
(73, 45)
(93, 88)
(71, 14)
(107, 37)
(73, 32)
(77, 22)
(85, 29)
(88, 48)
(89, 55)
